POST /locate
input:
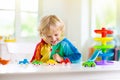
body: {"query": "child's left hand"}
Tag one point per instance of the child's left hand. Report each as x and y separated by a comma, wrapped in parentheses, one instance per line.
(57, 57)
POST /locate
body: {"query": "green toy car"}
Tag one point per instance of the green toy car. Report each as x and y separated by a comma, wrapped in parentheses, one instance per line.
(89, 64)
(36, 62)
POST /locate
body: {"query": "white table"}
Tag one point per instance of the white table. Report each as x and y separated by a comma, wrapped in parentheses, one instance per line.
(59, 72)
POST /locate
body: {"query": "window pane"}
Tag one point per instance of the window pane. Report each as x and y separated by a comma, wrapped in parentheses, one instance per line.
(105, 13)
(29, 24)
(7, 22)
(7, 4)
(29, 5)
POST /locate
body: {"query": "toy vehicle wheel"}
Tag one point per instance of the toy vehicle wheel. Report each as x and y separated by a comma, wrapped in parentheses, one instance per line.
(92, 65)
(86, 65)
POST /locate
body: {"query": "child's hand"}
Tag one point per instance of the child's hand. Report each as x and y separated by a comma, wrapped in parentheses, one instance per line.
(57, 57)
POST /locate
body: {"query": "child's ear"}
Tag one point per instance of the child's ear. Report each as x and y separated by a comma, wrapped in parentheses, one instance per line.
(44, 38)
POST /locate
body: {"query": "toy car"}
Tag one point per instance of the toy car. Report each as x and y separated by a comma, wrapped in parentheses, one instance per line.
(51, 62)
(3, 61)
(36, 62)
(66, 61)
(25, 61)
(89, 64)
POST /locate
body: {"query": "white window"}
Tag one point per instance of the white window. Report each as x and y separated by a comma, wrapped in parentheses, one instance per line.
(19, 18)
(103, 14)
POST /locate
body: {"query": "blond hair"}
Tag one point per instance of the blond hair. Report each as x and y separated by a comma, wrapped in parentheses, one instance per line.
(50, 20)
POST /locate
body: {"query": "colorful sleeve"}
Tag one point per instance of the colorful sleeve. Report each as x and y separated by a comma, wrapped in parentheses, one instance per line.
(71, 51)
(36, 54)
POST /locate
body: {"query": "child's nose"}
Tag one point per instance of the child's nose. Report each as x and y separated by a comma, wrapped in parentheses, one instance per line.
(53, 38)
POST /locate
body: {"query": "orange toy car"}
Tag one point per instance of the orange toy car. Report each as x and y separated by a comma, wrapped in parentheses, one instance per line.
(3, 62)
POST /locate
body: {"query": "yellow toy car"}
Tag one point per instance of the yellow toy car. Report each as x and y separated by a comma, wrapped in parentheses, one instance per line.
(51, 62)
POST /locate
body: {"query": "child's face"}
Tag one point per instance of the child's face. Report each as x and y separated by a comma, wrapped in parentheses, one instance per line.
(53, 37)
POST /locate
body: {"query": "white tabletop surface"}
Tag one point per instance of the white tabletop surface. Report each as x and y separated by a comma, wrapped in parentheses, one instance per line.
(30, 68)
(59, 70)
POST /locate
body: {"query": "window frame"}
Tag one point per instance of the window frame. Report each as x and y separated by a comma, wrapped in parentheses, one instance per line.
(18, 23)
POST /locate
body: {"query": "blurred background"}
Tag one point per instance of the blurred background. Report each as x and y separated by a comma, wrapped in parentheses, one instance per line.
(19, 19)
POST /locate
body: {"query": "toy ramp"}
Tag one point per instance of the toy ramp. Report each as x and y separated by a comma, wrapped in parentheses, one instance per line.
(95, 55)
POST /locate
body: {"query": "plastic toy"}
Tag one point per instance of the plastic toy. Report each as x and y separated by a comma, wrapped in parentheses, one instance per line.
(89, 64)
(36, 62)
(3, 61)
(9, 38)
(103, 32)
(102, 50)
(51, 62)
(25, 61)
(66, 61)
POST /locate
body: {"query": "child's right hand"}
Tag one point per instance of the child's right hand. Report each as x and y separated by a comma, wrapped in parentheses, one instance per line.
(57, 57)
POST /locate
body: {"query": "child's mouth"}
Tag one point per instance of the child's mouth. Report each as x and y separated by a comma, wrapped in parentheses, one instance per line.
(53, 42)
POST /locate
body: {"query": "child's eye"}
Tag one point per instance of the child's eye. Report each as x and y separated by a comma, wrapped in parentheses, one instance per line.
(56, 34)
(49, 36)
